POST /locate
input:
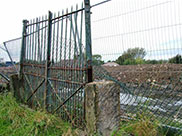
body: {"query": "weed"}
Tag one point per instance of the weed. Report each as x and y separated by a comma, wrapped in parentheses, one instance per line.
(141, 125)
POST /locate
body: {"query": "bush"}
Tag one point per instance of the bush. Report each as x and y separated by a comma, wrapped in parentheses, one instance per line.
(129, 62)
(139, 61)
(130, 56)
(176, 60)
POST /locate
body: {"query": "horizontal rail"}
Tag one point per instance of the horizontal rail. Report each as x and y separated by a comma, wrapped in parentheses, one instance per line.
(68, 14)
(37, 22)
(65, 81)
(33, 65)
(13, 40)
(68, 68)
(33, 74)
(100, 3)
(36, 31)
(56, 67)
(53, 78)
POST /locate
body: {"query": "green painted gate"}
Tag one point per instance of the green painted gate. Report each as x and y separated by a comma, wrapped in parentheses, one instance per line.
(55, 62)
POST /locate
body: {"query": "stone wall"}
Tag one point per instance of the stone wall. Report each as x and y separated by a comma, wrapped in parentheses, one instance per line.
(102, 107)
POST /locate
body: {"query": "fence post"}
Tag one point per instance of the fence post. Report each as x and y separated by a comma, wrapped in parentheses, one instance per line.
(23, 47)
(88, 41)
(102, 107)
(47, 65)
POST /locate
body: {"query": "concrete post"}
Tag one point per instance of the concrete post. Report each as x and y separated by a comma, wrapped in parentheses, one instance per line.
(16, 86)
(102, 107)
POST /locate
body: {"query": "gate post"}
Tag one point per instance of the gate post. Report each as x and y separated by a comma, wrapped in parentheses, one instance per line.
(47, 65)
(88, 41)
(102, 107)
(23, 47)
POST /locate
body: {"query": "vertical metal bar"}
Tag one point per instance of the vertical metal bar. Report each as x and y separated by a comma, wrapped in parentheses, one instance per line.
(57, 40)
(39, 44)
(70, 61)
(10, 57)
(27, 44)
(45, 32)
(47, 72)
(53, 38)
(77, 63)
(61, 40)
(30, 48)
(81, 66)
(80, 42)
(88, 40)
(36, 40)
(74, 63)
(42, 42)
(89, 76)
(23, 47)
(33, 41)
(65, 61)
(65, 45)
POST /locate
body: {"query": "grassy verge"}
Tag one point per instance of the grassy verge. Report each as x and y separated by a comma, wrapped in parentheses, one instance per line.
(17, 120)
(142, 125)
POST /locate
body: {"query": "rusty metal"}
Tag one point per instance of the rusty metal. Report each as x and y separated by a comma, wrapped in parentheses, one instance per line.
(53, 50)
(68, 98)
(34, 74)
(48, 59)
(65, 109)
(36, 89)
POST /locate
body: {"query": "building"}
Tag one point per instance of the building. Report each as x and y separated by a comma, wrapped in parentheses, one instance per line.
(111, 64)
(9, 63)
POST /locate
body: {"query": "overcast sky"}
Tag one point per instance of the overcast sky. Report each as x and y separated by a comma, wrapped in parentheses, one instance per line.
(155, 25)
(12, 12)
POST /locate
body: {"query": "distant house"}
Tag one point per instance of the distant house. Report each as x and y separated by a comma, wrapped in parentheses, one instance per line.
(9, 63)
(110, 64)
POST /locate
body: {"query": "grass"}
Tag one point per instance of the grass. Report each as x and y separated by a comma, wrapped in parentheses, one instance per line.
(18, 120)
(142, 125)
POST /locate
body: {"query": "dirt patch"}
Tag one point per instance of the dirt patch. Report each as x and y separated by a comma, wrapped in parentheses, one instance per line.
(158, 76)
(159, 73)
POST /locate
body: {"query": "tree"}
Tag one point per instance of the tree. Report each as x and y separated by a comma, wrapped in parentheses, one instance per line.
(177, 59)
(97, 60)
(131, 55)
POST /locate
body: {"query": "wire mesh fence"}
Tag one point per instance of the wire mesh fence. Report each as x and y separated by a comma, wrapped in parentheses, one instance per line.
(9, 58)
(138, 44)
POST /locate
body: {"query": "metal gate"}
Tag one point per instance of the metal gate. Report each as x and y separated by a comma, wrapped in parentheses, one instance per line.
(55, 63)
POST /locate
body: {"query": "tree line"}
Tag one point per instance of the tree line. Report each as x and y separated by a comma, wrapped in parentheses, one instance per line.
(135, 56)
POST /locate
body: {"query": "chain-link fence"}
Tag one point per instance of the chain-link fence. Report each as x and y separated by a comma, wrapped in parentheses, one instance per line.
(138, 44)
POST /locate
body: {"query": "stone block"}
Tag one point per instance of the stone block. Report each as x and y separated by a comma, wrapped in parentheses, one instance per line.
(102, 107)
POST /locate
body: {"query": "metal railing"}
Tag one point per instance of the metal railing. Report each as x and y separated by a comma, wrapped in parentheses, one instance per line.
(135, 44)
